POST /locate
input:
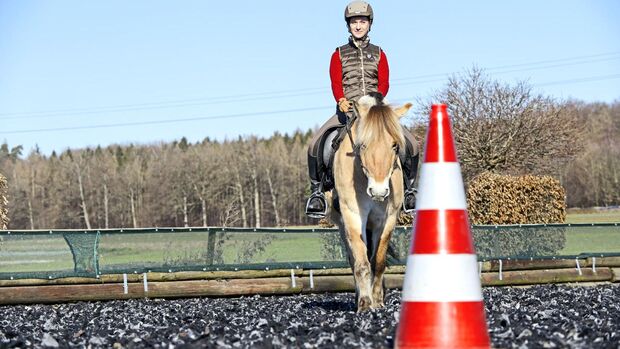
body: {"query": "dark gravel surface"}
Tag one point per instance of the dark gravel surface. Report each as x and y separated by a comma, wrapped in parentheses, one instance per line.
(549, 316)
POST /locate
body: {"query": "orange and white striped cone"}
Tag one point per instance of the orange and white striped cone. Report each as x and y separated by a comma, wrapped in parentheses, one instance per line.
(442, 305)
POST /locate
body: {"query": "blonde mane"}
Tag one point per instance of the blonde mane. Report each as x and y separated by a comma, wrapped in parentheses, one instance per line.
(379, 120)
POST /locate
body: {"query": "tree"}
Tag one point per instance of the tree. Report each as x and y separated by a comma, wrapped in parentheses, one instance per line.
(206, 182)
(80, 164)
(132, 166)
(10, 154)
(593, 178)
(4, 217)
(507, 128)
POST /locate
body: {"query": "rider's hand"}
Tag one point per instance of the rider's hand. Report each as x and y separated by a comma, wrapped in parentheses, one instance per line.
(344, 105)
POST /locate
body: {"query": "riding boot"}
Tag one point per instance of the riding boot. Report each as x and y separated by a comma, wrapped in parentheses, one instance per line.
(410, 196)
(316, 206)
(410, 169)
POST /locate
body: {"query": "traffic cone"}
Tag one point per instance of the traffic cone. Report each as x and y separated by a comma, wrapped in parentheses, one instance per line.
(442, 304)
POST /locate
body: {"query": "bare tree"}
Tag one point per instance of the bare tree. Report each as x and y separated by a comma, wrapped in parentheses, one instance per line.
(4, 216)
(506, 128)
(272, 193)
(592, 179)
(233, 156)
(79, 174)
(277, 161)
(132, 166)
(248, 163)
(181, 180)
(257, 206)
(207, 184)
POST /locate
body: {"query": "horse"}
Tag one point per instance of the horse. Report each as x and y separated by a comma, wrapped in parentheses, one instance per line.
(368, 192)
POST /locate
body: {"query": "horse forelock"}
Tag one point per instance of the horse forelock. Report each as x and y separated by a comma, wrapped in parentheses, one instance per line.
(380, 120)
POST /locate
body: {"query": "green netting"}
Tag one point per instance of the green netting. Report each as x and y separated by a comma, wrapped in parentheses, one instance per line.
(54, 254)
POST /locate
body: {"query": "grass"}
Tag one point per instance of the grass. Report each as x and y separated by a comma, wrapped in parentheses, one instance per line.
(593, 216)
(293, 248)
(51, 253)
(592, 239)
(27, 253)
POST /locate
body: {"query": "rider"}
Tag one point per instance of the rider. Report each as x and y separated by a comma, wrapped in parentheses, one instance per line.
(356, 69)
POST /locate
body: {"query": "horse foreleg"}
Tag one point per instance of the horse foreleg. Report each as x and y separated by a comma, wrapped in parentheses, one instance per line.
(358, 259)
(379, 262)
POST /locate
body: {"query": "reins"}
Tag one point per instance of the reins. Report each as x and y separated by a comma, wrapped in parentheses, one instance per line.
(349, 125)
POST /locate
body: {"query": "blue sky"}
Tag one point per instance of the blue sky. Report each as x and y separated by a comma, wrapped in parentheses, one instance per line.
(86, 73)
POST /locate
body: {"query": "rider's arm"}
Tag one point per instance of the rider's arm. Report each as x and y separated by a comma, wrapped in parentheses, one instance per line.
(335, 73)
(384, 75)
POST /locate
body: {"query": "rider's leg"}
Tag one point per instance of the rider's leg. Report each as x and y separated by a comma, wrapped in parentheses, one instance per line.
(409, 159)
(316, 206)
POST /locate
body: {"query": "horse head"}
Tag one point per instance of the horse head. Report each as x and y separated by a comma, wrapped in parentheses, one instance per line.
(378, 140)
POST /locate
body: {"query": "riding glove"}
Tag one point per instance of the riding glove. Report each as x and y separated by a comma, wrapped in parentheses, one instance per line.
(344, 105)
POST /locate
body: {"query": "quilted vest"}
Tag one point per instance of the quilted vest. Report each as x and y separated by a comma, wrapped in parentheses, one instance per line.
(360, 67)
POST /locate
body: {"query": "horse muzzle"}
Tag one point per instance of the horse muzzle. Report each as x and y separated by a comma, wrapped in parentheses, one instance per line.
(378, 191)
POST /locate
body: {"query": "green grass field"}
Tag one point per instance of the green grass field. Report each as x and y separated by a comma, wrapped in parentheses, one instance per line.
(592, 240)
(51, 252)
(593, 216)
(599, 239)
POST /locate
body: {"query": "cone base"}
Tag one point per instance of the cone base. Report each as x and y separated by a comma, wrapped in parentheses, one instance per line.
(442, 325)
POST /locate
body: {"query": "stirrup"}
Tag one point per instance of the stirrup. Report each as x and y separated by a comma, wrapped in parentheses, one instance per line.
(316, 214)
(413, 192)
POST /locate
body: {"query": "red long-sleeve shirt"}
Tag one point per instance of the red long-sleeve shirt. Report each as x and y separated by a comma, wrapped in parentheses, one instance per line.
(335, 73)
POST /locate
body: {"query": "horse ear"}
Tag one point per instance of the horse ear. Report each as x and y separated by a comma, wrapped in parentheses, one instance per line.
(401, 111)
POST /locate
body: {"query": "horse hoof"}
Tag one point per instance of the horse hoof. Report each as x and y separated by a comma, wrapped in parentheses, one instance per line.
(364, 304)
(377, 305)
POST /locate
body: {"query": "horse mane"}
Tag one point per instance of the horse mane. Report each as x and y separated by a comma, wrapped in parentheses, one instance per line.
(381, 118)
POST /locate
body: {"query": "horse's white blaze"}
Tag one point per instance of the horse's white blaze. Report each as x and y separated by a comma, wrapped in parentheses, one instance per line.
(378, 190)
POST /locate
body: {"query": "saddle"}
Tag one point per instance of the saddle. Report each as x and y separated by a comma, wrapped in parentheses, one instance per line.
(330, 143)
(327, 149)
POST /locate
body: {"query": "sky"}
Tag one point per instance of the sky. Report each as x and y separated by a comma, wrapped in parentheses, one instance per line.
(77, 74)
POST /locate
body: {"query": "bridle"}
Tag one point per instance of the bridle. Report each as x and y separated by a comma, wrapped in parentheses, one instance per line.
(357, 148)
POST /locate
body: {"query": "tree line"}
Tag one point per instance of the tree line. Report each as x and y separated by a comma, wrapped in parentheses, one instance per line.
(254, 182)
(248, 182)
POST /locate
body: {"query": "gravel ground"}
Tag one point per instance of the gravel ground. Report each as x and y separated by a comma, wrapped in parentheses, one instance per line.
(548, 316)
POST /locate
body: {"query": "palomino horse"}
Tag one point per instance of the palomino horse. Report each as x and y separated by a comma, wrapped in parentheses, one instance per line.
(369, 192)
